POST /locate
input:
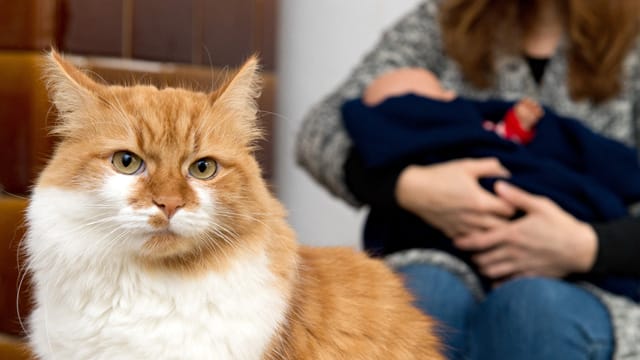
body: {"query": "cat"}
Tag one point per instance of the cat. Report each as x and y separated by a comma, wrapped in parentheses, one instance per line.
(152, 235)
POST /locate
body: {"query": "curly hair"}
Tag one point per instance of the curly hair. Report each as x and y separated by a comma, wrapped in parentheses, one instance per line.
(599, 33)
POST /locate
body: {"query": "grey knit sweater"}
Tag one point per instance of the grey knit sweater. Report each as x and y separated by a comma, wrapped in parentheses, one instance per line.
(415, 41)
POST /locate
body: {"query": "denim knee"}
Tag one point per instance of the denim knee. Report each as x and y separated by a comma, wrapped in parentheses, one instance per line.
(437, 288)
(445, 297)
(539, 318)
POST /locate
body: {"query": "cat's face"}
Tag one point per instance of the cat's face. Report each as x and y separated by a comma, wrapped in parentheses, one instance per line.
(161, 174)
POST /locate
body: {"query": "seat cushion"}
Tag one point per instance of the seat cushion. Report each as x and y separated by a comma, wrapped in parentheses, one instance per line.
(11, 233)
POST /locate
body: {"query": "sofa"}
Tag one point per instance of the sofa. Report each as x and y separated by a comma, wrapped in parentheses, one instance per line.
(11, 233)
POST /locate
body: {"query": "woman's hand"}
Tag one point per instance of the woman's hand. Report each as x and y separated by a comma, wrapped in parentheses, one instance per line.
(547, 241)
(449, 197)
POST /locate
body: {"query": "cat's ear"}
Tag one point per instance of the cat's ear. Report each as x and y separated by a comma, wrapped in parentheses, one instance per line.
(69, 88)
(238, 95)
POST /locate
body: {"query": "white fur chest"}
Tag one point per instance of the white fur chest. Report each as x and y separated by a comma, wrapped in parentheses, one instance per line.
(112, 309)
(220, 317)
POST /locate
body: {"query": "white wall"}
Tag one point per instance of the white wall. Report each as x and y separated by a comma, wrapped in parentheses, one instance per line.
(319, 42)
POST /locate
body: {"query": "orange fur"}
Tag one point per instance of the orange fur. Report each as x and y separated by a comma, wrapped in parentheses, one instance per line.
(347, 306)
(343, 305)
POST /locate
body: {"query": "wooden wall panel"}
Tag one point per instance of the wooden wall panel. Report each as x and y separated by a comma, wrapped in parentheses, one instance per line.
(228, 31)
(202, 32)
(93, 27)
(14, 138)
(162, 30)
(24, 108)
(265, 34)
(28, 24)
(11, 232)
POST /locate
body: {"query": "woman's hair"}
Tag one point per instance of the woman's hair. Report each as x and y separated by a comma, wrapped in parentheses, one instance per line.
(600, 34)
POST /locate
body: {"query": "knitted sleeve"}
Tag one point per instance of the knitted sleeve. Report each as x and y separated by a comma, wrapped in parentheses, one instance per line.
(618, 247)
(619, 241)
(323, 144)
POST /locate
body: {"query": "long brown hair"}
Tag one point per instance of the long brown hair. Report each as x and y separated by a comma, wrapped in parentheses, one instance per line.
(600, 34)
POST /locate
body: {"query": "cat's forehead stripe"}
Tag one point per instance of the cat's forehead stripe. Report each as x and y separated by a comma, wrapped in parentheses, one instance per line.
(164, 119)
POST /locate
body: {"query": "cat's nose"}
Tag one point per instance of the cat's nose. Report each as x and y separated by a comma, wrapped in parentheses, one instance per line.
(169, 204)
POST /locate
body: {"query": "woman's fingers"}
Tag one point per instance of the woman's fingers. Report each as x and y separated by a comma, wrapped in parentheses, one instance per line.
(473, 222)
(518, 197)
(481, 241)
(485, 167)
(479, 221)
(442, 194)
(494, 256)
(489, 203)
(486, 201)
(500, 270)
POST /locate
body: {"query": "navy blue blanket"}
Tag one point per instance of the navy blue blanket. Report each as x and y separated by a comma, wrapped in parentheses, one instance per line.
(588, 175)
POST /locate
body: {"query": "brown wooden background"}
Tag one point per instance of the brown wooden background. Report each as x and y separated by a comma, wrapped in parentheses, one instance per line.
(197, 34)
(185, 31)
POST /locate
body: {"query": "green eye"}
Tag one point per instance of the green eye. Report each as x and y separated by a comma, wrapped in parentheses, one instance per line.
(126, 162)
(203, 169)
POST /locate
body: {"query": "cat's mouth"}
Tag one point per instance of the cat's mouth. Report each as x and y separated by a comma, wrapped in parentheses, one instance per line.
(165, 243)
(162, 226)
(159, 222)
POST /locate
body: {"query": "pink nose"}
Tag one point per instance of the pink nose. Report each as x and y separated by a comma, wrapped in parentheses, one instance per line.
(169, 204)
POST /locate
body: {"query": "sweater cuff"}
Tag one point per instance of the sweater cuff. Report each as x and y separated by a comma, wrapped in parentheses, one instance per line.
(604, 256)
(618, 247)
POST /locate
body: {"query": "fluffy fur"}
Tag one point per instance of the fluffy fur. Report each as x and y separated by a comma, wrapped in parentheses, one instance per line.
(162, 265)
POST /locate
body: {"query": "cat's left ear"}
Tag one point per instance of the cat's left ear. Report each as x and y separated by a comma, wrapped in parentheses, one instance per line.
(69, 88)
(239, 94)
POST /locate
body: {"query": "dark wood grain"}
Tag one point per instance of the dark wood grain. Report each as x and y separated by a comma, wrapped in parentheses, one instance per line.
(93, 27)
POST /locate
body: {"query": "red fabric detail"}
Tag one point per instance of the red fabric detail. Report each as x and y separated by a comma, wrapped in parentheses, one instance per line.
(513, 129)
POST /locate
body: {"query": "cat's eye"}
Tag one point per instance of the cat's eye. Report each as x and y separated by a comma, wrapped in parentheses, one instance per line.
(203, 169)
(127, 162)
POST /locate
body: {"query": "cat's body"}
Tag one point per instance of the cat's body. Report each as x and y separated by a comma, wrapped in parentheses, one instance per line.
(139, 250)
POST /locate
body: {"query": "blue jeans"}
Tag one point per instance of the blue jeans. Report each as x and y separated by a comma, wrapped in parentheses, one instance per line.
(527, 318)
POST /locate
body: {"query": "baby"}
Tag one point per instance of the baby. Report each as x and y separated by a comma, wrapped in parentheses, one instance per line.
(517, 124)
(565, 161)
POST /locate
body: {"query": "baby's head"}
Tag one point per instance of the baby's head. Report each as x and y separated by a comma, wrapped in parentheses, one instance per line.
(404, 81)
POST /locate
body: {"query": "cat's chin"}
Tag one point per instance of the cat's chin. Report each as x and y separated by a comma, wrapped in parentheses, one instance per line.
(166, 243)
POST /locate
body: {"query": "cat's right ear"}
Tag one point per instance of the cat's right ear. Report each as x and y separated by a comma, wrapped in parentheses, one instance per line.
(69, 88)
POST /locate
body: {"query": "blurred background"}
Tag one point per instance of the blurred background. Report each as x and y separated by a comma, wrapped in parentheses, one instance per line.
(307, 47)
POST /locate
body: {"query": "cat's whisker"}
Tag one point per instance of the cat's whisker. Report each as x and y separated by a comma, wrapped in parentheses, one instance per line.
(220, 234)
(212, 246)
(278, 116)
(35, 257)
(23, 274)
(225, 229)
(233, 215)
(206, 50)
(113, 240)
(46, 324)
(92, 225)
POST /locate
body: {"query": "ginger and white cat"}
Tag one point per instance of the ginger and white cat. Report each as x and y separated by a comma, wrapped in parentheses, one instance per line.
(152, 235)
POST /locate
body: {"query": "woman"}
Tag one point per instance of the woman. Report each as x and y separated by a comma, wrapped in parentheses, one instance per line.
(580, 58)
